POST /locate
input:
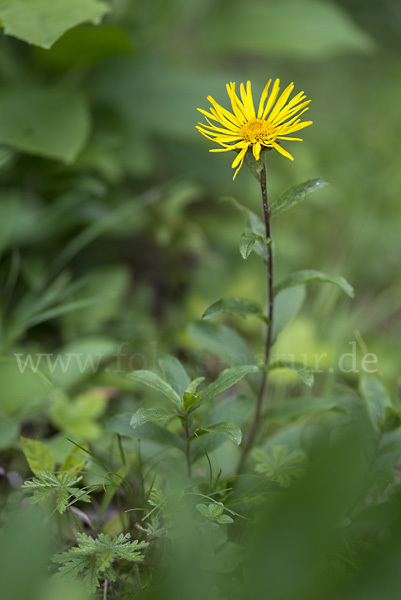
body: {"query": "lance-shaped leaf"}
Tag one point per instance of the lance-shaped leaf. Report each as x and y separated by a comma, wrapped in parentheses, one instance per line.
(249, 241)
(225, 380)
(229, 429)
(295, 194)
(232, 306)
(376, 398)
(255, 226)
(305, 373)
(155, 382)
(144, 415)
(310, 275)
(190, 396)
(174, 374)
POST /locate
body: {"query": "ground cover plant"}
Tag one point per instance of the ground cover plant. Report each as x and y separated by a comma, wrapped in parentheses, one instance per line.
(199, 358)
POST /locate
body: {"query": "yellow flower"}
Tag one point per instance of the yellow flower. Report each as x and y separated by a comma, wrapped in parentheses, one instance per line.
(243, 128)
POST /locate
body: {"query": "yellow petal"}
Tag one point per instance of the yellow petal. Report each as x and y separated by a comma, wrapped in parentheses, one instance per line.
(239, 159)
(272, 98)
(263, 98)
(281, 101)
(282, 151)
(256, 150)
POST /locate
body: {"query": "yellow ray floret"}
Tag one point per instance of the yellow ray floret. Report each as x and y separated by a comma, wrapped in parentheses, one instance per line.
(244, 129)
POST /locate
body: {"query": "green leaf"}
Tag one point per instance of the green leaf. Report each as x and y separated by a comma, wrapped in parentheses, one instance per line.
(295, 194)
(222, 341)
(229, 429)
(288, 410)
(310, 275)
(53, 123)
(79, 416)
(287, 304)
(143, 415)
(174, 374)
(281, 465)
(84, 46)
(305, 373)
(257, 230)
(232, 306)
(148, 431)
(225, 380)
(376, 398)
(94, 557)
(64, 488)
(155, 382)
(41, 23)
(24, 388)
(193, 386)
(38, 455)
(247, 243)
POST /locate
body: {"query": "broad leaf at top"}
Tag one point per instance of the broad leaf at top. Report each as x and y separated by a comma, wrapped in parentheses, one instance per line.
(42, 22)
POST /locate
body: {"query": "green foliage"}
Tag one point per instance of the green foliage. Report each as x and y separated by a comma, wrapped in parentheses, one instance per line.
(31, 115)
(229, 429)
(157, 383)
(94, 557)
(295, 194)
(38, 455)
(214, 512)
(143, 415)
(304, 372)
(42, 23)
(254, 239)
(233, 306)
(63, 488)
(225, 380)
(247, 242)
(281, 465)
(307, 276)
(107, 255)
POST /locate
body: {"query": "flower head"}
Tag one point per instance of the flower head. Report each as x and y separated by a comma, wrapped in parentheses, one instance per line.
(244, 129)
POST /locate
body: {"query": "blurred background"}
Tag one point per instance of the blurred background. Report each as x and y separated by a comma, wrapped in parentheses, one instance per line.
(114, 237)
(113, 234)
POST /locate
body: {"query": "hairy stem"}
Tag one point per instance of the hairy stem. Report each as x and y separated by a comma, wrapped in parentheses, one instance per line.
(259, 403)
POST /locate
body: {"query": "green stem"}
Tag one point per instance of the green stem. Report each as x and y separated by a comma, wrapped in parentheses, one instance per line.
(261, 175)
(187, 444)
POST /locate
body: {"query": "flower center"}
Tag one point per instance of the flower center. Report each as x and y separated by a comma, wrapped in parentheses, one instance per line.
(257, 130)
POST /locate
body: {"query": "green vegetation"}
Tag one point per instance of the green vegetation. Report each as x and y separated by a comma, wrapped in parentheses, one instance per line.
(134, 311)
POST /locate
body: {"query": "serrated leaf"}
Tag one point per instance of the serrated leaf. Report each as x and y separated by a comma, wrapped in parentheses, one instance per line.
(157, 383)
(310, 275)
(295, 194)
(305, 373)
(144, 415)
(41, 23)
(281, 465)
(38, 455)
(225, 380)
(232, 306)
(229, 429)
(94, 556)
